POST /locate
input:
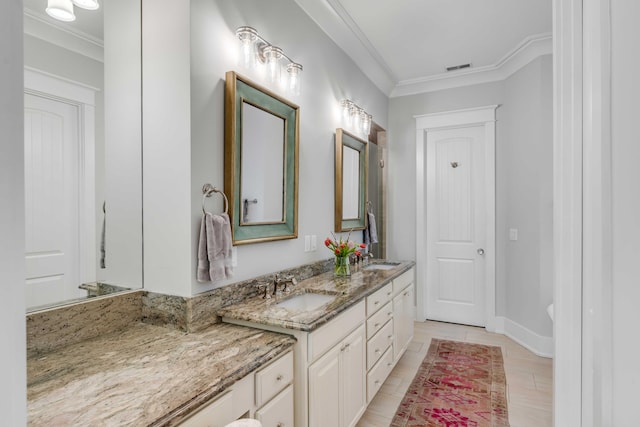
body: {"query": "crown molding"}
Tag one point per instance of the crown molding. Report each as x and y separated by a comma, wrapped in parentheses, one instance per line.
(529, 49)
(338, 25)
(37, 25)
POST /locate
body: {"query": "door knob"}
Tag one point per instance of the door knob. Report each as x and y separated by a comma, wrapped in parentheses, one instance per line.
(480, 251)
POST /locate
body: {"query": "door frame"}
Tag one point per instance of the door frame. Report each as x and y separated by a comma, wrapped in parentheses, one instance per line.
(480, 116)
(45, 85)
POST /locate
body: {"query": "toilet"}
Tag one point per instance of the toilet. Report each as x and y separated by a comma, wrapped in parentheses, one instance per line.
(245, 422)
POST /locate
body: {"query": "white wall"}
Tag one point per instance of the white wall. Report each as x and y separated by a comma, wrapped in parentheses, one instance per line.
(167, 147)
(626, 210)
(13, 391)
(328, 76)
(122, 147)
(525, 101)
(527, 174)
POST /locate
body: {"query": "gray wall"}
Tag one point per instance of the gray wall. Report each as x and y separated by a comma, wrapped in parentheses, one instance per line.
(13, 401)
(523, 200)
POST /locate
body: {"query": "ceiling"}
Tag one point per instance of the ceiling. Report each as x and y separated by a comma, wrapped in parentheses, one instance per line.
(404, 44)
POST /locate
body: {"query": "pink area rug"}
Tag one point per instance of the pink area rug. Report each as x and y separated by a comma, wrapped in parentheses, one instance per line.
(457, 385)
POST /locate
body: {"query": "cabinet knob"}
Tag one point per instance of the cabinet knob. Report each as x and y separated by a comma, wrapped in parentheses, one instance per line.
(376, 325)
(279, 377)
(390, 313)
(377, 350)
(376, 303)
(390, 337)
(280, 425)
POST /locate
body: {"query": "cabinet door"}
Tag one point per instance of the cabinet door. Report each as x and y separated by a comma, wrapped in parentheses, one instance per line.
(402, 321)
(279, 411)
(325, 390)
(353, 376)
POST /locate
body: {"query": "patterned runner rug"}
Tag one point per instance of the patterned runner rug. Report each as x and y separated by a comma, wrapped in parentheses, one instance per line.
(457, 385)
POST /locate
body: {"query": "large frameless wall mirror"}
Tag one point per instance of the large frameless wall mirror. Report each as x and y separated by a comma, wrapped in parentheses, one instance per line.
(350, 182)
(261, 162)
(83, 152)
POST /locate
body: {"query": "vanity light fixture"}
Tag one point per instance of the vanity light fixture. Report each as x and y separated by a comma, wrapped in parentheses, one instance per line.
(62, 10)
(256, 51)
(355, 117)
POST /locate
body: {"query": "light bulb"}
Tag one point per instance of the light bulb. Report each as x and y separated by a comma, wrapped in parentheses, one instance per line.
(273, 54)
(87, 4)
(61, 10)
(294, 70)
(248, 37)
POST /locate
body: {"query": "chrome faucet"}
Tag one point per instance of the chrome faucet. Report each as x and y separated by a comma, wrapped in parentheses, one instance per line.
(284, 280)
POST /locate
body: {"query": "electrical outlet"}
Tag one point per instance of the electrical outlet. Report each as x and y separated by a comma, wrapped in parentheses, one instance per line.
(307, 243)
(314, 242)
(513, 234)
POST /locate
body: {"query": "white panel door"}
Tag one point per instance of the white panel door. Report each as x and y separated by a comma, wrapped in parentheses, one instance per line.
(51, 136)
(455, 225)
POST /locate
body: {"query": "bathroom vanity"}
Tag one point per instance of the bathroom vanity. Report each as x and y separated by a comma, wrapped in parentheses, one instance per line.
(346, 343)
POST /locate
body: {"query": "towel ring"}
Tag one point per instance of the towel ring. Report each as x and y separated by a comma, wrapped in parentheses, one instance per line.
(207, 191)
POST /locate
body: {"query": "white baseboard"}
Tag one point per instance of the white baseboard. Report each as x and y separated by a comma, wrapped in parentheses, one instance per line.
(538, 344)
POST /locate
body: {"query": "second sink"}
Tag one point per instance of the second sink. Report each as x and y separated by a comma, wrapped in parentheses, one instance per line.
(306, 302)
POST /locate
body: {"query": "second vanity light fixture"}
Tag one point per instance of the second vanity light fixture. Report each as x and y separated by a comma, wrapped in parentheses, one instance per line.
(256, 51)
(354, 117)
(62, 10)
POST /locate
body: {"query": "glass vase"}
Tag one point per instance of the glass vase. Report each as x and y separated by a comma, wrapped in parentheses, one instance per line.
(342, 267)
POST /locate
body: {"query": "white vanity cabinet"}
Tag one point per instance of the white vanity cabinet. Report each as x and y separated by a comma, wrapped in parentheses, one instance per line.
(266, 395)
(403, 313)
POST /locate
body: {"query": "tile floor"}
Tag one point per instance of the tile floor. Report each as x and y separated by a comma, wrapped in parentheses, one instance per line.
(529, 377)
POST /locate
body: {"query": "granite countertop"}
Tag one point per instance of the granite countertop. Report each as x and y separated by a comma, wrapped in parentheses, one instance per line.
(347, 292)
(143, 375)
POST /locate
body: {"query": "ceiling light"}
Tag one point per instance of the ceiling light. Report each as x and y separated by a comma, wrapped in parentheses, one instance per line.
(61, 10)
(254, 51)
(87, 4)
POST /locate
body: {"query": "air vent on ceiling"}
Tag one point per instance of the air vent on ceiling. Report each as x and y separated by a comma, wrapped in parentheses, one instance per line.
(458, 67)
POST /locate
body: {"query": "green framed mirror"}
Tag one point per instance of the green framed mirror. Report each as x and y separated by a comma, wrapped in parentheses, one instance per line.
(261, 162)
(351, 166)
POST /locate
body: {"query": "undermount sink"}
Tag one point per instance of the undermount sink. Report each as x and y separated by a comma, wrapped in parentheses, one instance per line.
(306, 302)
(381, 266)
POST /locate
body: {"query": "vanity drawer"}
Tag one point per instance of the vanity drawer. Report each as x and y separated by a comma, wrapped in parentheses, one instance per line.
(379, 373)
(216, 414)
(379, 343)
(377, 321)
(379, 298)
(273, 378)
(333, 332)
(399, 283)
(278, 412)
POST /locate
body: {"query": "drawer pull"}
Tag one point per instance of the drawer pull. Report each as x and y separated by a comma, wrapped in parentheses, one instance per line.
(388, 293)
(377, 350)
(376, 303)
(390, 313)
(405, 294)
(389, 364)
(377, 382)
(279, 377)
(280, 425)
(390, 337)
(376, 325)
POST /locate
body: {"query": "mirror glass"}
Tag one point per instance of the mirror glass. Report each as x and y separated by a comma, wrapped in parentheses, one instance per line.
(351, 166)
(83, 152)
(261, 162)
(350, 182)
(263, 174)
